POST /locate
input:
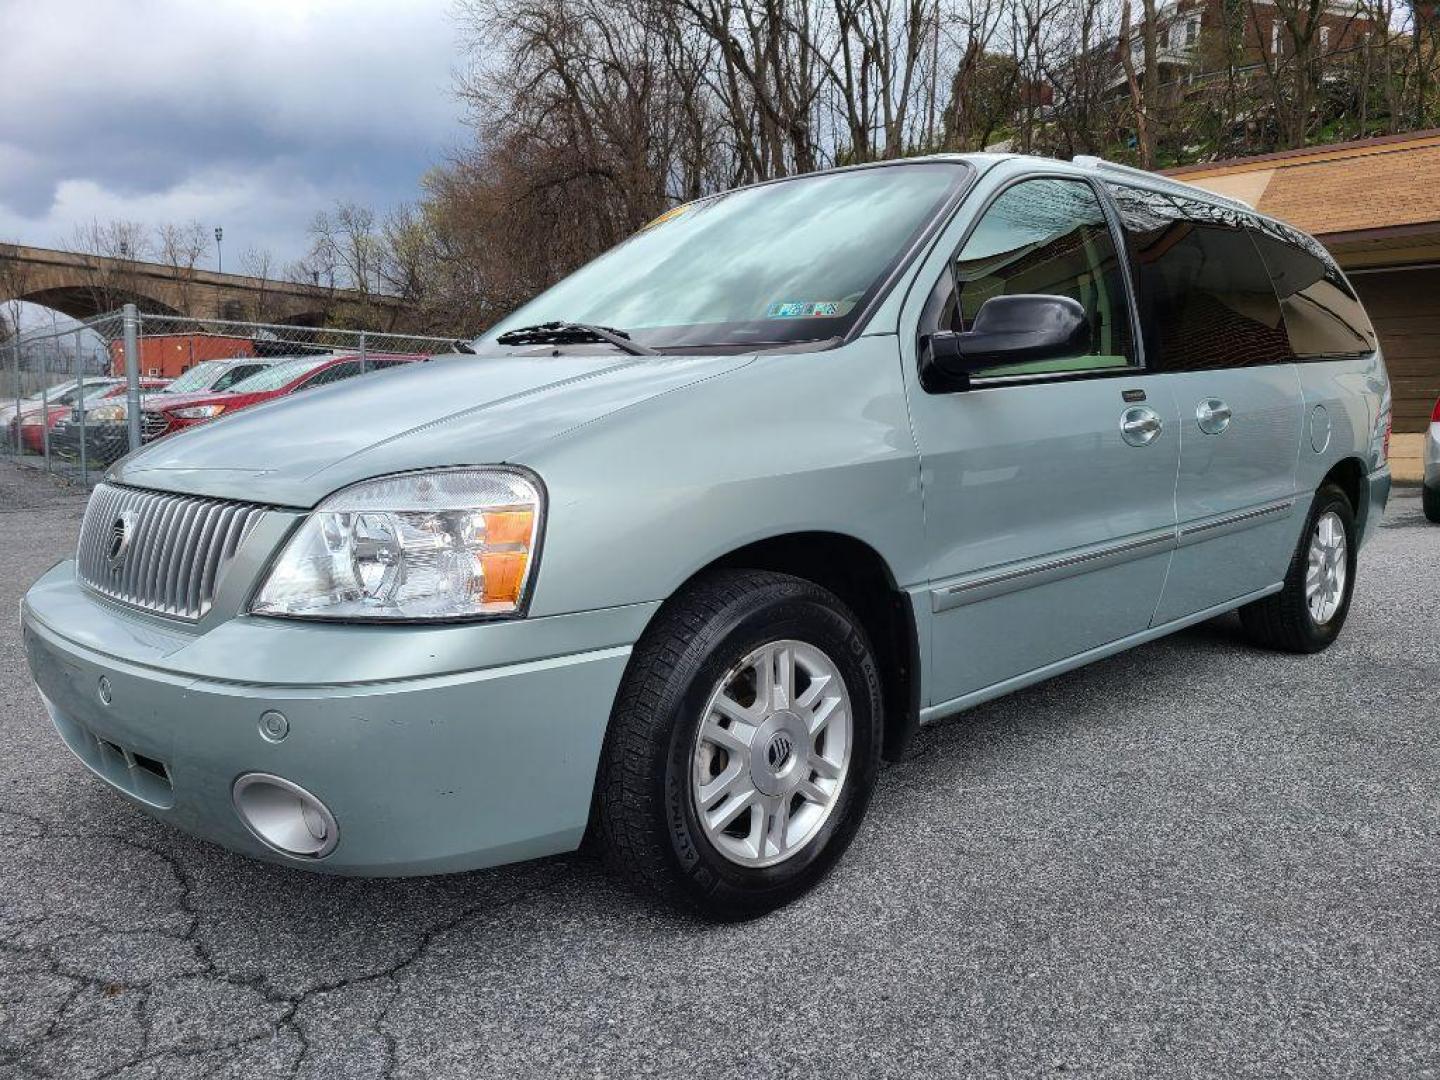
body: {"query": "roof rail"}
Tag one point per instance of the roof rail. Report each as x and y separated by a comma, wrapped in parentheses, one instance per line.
(1089, 161)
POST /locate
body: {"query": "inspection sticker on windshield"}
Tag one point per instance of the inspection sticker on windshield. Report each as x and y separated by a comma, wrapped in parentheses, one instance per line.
(804, 309)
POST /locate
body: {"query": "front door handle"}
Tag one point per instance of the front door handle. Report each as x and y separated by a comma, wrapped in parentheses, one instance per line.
(1140, 425)
(1213, 416)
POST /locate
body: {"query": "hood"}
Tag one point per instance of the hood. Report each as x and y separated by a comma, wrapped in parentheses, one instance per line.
(460, 410)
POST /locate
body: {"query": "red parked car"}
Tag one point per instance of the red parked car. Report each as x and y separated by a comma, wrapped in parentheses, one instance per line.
(29, 427)
(168, 413)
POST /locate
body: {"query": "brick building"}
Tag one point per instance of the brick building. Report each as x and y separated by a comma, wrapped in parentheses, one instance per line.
(1191, 33)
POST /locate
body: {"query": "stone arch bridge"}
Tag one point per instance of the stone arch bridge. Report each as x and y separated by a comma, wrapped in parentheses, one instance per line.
(81, 286)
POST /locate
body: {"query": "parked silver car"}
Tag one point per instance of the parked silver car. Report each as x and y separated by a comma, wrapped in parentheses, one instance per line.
(720, 519)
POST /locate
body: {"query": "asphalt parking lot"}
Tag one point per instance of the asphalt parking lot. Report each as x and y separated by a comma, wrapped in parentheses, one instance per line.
(1193, 860)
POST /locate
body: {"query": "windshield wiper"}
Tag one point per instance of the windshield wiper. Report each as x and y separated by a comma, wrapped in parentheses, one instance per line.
(568, 333)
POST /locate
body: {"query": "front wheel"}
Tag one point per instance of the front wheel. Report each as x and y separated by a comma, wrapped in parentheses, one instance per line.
(743, 746)
(1306, 615)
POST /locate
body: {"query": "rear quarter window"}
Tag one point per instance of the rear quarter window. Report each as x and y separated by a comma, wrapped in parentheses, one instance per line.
(1205, 296)
(1323, 316)
(334, 373)
(235, 374)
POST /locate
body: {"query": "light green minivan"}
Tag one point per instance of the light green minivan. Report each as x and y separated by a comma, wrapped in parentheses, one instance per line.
(717, 522)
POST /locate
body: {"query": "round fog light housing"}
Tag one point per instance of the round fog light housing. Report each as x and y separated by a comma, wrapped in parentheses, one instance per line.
(284, 816)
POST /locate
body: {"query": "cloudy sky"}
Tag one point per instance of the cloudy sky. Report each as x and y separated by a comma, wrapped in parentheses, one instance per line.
(250, 114)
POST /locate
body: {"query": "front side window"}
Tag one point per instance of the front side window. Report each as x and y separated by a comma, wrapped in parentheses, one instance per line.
(1205, 297)
(1047, 236)
(795, 260)
(196, 378)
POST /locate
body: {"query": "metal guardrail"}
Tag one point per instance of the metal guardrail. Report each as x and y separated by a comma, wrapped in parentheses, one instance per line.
(73, 397)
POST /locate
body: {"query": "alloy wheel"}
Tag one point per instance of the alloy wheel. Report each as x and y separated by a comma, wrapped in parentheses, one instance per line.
(772, 753)
(1327, 568)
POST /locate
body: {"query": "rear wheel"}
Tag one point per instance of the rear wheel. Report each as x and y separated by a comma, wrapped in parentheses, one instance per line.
(743, 746)
(1306, 615)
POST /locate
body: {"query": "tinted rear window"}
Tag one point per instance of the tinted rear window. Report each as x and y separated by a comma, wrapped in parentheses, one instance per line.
(1322, 313)
(1205, 297)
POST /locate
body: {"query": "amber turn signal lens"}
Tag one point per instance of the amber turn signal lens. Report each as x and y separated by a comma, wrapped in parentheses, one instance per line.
(504, 574)
(508, 527)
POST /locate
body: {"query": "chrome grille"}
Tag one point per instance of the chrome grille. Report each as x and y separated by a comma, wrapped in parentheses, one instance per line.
(164, 553)
(153, 425)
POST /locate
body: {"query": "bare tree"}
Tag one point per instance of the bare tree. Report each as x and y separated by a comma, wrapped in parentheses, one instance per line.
(1288, 33)
(592, 116)
(267, 305)
(179, 248)
(346, 241)
(112, 252)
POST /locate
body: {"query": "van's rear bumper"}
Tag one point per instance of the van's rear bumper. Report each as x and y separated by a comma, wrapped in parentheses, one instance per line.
(426, 775)
(1378, 488)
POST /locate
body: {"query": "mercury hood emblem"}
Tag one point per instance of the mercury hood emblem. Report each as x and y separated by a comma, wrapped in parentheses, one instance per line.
(121, 531)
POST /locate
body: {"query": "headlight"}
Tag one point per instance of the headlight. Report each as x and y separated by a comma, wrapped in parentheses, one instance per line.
(439, 544)
(106, 413)
(199, 412)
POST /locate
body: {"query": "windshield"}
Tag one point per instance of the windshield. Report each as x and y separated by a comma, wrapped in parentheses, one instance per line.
(782, 262)
(52, 394)
(198, 377)
(278, 375)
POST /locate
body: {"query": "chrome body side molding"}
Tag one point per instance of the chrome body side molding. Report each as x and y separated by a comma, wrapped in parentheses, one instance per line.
(1012, 577)
(1208, 528)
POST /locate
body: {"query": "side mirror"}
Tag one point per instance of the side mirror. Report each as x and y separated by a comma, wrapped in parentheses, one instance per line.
(1013, 330)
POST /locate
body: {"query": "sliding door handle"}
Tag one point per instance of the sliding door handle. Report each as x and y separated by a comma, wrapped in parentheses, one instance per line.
(1140, 426)
(1213, 416)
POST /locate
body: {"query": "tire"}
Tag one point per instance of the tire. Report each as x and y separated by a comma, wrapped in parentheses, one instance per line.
(1285, 620)
(1430, 502)
(647, 824)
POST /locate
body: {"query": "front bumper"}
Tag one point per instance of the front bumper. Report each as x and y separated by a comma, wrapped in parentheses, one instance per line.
(448, 770)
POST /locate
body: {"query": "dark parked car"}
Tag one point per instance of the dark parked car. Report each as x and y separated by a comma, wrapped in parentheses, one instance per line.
(106, 424)
(28, 431)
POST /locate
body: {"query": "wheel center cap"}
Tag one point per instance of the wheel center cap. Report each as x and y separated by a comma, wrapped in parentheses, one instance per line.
(778, 752)
(777, 757)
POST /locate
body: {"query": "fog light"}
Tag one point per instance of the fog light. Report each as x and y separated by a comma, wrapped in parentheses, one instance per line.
(285, 816)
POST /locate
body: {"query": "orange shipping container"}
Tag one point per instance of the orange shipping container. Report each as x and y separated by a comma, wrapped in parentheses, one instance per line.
(167, 355)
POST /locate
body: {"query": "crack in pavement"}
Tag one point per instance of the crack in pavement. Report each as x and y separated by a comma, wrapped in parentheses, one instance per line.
(289, 1019)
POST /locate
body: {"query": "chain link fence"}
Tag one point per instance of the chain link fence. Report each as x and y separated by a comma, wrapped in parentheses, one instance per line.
(76, 398)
